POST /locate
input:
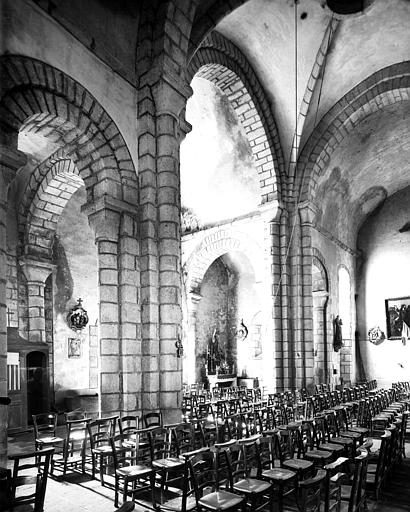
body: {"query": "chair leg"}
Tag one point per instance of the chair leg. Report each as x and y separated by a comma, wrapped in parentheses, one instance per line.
(117, 486)
(125, 491)
(101, 460)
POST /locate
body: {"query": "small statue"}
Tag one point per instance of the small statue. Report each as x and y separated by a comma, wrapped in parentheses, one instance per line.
(213, 353)
(337, 334)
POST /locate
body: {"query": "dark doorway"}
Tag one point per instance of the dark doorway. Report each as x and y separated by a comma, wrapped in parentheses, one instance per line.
(36, 384)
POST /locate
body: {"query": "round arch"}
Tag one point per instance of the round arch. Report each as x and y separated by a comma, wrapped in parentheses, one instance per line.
(37, 97)
(385, 87)
(215, 245)
(38, 217)
(221, 62)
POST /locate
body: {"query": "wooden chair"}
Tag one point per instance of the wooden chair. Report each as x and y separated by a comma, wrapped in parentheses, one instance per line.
(307, 496)
(167, 464)
(208, 480)
(75, 444)
(45, 426)
(186, 500)
(353, 497)
(377, 466)
(289, 447)
(310, 445)
(28, 487)
(335, 472)
(133, 472)
(283, 479)
(99, 432)
(245, 465)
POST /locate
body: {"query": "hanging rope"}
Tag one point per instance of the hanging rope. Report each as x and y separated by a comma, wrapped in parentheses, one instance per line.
(296, 138)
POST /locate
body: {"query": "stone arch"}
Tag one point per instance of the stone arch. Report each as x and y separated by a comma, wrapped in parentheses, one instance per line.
(319, 261)
(322, 348)
(385, 87)
(212, 247)
(221, 62)
(58, 179)
(35, 96)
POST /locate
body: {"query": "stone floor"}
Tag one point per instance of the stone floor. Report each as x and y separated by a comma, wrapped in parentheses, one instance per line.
(80, 493)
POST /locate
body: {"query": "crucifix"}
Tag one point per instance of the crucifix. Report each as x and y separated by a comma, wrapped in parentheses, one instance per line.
(9, 315)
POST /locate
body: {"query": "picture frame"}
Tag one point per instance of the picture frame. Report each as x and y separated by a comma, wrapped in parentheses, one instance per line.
(397, 309)
(74, 348)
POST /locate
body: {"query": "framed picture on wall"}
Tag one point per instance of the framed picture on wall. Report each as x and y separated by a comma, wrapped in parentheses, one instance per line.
(397, 317)
(74, 348)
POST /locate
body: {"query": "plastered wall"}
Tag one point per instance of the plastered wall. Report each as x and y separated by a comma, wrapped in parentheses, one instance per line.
(383, 274)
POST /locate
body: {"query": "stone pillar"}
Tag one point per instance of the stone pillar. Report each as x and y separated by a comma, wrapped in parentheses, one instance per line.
(190, 359)
(161, 129)
(10, 161)
(36, 273)
(321, 347)
(304, 311)
(113, 222)
(274, 343)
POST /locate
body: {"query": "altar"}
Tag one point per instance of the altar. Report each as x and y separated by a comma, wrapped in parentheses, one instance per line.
(222, 380)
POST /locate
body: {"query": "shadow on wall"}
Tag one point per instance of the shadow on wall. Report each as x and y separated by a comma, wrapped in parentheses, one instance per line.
(72, 399)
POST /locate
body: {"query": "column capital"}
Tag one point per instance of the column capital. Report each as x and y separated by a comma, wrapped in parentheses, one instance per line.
(104, 216)
(11, 160)
(194, 299)
(35, 270)
(320, 299)
(272, 211)
(307, 212)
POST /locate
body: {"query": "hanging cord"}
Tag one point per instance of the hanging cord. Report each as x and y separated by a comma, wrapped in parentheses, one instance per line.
(296, 145)
(295, 148)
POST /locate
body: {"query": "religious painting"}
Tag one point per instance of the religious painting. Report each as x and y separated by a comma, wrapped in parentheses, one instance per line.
(398, 317)
(74, 347)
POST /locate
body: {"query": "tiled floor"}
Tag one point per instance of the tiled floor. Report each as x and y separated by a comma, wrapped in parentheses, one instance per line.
(79, 493)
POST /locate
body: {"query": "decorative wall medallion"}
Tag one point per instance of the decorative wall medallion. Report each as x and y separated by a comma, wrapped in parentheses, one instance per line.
(74, 348)
(77, 317)
(376, 335)
(242, 331)
(180, 348)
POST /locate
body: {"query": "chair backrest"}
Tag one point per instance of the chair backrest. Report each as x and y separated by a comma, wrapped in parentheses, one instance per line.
(128, 424)
(250, 455)
(358, 488)
(153, 419)
(45, 424)
(381, 466)
(334, 474)
(269, 452)
(180, 439)
(104, 426)
(309, 491)
(77, 430)
(124, 450)
(203, 472)
(159, 438)
(28, 487)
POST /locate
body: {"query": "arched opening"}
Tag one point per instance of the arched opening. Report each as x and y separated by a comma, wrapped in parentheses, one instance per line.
(37, 384)
(227, 325)
(321, 352)
(77, 163)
